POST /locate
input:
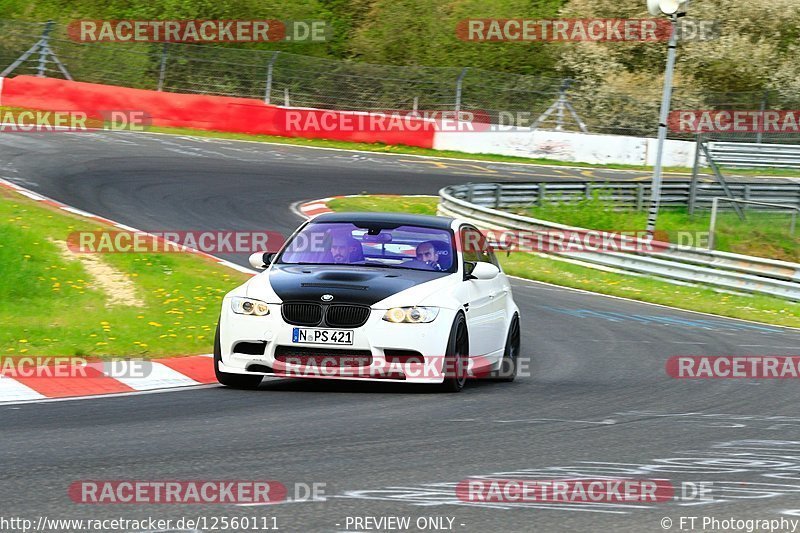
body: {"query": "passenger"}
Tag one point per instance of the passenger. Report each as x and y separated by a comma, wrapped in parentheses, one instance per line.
(428, 254)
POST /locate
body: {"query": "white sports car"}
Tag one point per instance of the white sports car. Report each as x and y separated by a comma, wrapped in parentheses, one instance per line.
(372, 296)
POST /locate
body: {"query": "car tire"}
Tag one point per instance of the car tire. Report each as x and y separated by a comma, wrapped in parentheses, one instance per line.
(235, 381)
(509, 367)
(456, 358)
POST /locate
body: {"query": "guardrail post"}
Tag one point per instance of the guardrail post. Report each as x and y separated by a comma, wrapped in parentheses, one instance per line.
(712, 225)
(588, 191)
(541, 192)
(746, 194)
(498, 190)
(639, 197)
(470, 191)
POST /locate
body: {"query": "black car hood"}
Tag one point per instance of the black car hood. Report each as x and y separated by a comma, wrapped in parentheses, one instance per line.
(347, 284)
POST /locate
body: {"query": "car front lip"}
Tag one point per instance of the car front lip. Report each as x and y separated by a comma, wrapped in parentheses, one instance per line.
(376, 335)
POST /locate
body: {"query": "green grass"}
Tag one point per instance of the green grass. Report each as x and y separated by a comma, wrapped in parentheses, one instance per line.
(49, 304)
(761, 235)
(537, 267)
(419, 205)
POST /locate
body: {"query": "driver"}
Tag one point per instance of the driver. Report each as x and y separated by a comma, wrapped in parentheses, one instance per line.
(343, 248)
(427, 253)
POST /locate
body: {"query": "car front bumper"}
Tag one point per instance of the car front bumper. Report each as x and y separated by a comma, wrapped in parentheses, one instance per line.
(377, 337)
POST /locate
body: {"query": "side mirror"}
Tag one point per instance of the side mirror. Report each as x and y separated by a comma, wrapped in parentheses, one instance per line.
(481, 271)
(261, 260)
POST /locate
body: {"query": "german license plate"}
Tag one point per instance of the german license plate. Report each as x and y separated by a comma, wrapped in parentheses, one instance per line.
(322, 336)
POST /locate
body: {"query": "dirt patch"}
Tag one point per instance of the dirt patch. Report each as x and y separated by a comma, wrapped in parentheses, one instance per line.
(119, 289)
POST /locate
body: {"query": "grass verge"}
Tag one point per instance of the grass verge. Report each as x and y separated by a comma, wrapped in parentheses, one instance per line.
(758, 308)
(762, 234)
(50, 304)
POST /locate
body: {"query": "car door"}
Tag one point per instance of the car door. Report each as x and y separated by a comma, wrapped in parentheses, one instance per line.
(501, 289)
(486, 315)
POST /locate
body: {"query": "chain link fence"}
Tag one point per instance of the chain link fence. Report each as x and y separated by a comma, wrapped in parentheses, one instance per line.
(304, 81)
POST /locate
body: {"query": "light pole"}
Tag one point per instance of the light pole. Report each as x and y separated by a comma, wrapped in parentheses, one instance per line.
(674, 9)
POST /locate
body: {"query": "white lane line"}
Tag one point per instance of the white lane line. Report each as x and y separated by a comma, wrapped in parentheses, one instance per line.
(160, 377)
(659, 342)
(606, 422)
(769, 346)
(13, 390)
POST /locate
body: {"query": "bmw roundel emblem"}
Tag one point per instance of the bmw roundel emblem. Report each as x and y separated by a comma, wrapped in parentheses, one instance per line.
(327, 297)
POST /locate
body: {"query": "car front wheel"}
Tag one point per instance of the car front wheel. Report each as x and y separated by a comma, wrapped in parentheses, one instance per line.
(456, 358)
(509, 367)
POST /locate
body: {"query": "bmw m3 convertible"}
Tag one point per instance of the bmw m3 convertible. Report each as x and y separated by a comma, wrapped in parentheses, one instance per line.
(372, 296)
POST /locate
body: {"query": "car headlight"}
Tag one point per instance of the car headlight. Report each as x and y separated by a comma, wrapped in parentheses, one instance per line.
(248, 306)
(412, 315)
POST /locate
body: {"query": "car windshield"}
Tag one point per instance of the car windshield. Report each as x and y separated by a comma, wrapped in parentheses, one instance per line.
(345, 243)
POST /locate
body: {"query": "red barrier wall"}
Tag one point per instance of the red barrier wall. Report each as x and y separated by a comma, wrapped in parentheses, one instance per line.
(218, 113)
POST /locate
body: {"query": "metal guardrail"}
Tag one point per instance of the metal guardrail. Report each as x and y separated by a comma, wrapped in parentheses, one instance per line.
(625, 193)
(755, 155)
(717, 269)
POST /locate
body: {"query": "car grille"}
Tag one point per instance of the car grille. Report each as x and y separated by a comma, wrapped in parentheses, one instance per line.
(322, 357)
(336, 316)
(301, 314)
(346, 316)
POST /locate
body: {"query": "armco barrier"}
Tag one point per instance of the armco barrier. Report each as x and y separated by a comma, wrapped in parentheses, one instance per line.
(674, 193)
(219, 113)
(755, 155)
(682, 264)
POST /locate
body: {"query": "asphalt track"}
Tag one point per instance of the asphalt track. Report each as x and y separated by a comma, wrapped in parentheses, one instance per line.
(597, 403)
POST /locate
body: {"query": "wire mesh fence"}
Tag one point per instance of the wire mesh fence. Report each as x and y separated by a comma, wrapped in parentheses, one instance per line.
(304, 81)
